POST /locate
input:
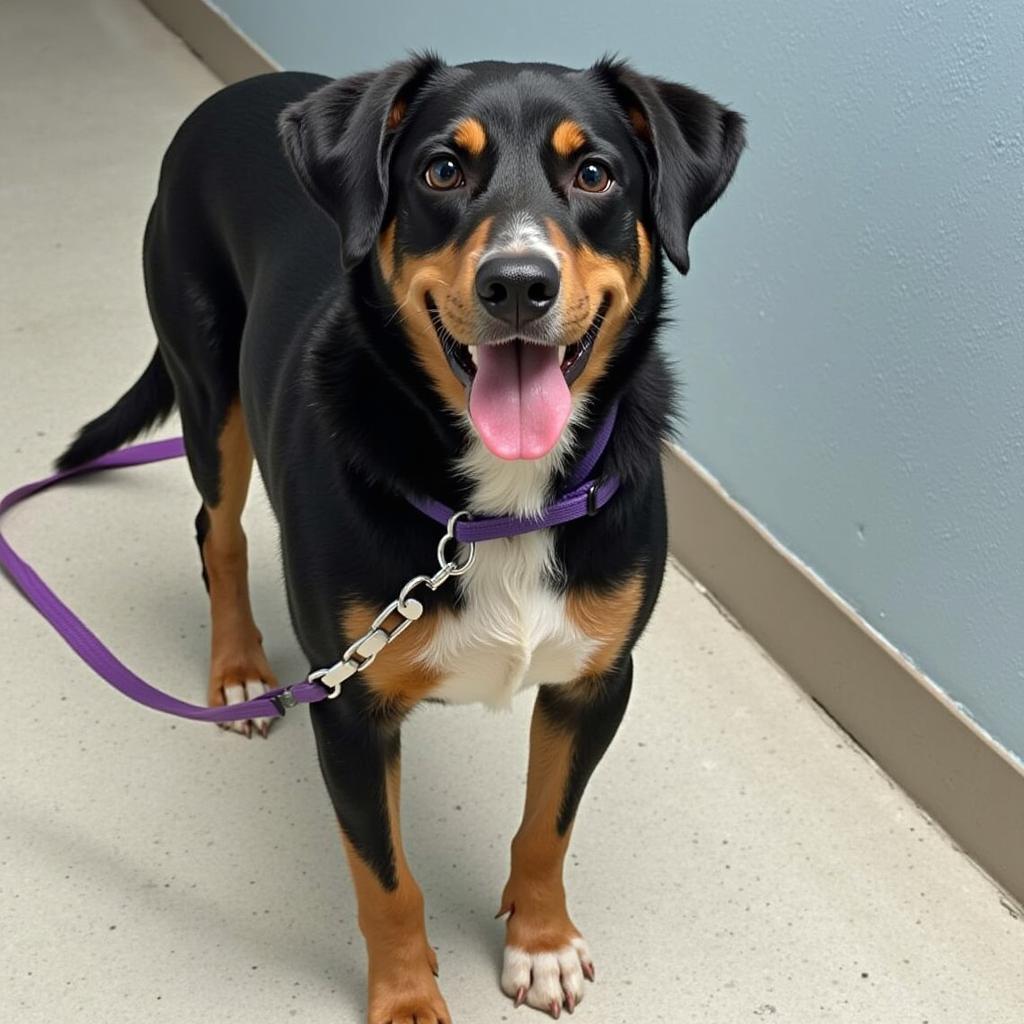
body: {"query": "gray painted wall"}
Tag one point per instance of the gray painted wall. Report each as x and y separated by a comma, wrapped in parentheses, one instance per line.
(851, 331)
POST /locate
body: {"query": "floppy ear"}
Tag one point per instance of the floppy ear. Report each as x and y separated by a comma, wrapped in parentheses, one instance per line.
(691, 144)
(339, 141)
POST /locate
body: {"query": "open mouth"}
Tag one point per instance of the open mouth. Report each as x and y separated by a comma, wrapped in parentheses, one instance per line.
(519, 399)
(572, 358)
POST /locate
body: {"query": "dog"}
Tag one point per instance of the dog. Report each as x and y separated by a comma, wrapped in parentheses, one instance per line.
(434, 280)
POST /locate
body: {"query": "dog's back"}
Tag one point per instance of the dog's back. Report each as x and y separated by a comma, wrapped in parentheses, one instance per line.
(226, 190)
(231, 215)
(226, 185)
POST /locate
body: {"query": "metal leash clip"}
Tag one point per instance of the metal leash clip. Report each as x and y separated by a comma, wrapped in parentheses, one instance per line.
(361, 654)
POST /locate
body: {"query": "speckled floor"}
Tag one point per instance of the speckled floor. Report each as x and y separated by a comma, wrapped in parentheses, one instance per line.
(736, 857)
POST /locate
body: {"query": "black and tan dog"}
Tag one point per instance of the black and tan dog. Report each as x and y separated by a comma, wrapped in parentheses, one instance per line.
(499, 286)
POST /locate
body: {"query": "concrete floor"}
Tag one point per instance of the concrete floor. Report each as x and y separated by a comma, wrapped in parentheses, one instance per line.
(736, 857)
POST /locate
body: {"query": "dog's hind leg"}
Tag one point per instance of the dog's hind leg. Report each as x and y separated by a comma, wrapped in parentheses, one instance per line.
(199, 314)
(238, 665)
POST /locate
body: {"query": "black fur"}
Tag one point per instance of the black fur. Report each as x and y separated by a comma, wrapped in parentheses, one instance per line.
(592, 724)
(338, 143)
(692, 153)
(145, 404)
(356, 749)
(202, 523)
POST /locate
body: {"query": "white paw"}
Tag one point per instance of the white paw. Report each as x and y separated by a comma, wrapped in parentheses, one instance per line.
(236, 693)
(547, 981)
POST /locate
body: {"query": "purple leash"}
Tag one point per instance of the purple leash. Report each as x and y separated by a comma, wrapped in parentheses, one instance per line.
(584, 497)
(88, 646)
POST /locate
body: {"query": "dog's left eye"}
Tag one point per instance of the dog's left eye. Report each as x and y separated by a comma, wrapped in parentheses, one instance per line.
(593, 176)
(444, 173)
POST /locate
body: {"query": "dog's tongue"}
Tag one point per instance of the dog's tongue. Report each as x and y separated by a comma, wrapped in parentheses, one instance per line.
(519, 401)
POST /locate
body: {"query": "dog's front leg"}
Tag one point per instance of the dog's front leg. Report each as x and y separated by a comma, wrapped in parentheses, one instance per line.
(360, 753)
(546, 957)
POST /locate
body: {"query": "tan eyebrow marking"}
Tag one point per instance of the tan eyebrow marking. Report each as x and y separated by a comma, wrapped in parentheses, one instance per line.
(567, 138)
(470, 135)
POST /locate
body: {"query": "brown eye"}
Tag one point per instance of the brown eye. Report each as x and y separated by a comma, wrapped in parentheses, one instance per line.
(444, 173)
(593, 177)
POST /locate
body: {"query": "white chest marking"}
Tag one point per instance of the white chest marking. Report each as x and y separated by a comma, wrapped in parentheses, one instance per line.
(512, 630)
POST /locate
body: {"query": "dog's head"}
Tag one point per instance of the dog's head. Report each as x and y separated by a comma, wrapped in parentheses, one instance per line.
(514, 213)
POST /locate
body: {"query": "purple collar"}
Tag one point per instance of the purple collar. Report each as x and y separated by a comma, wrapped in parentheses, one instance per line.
(582, 497)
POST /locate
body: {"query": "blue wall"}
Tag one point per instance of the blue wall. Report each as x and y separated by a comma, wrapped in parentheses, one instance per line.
(852, 331)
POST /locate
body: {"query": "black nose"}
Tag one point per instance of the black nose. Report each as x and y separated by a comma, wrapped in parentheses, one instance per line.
(517, 289)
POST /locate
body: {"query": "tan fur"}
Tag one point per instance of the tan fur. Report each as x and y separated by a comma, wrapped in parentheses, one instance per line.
(567, 138)
(448, 275)
(587, 276)
(606, 616)
(639, 123)
(396, 113)
(534, 897)
(471, 135)
(236, 651)
(396, 677)
(386, 250)
(402, 964)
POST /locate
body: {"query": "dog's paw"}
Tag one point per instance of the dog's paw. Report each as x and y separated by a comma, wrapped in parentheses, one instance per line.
(407, 997)
(416, 1013)
(547, 980)
(239, 671)
(237, 693)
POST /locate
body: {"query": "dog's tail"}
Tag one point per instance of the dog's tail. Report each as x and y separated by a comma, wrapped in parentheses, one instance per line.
(145, 404)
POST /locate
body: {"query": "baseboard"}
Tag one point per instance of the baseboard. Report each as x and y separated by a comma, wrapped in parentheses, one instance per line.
(958, 775)
(220, 44)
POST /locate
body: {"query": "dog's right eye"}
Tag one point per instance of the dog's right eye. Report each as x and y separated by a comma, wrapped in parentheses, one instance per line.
(444, 173)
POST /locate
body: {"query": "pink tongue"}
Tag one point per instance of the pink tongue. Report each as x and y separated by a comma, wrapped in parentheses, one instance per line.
(519, 401)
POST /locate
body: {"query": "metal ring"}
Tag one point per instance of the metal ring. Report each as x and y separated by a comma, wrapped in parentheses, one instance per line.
(455, 568)
(458, 570)
(454, 518)
(317, 676)
(410, 586)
